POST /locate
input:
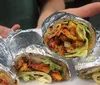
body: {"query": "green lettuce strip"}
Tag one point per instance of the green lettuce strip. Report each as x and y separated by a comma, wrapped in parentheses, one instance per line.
(35, 75)
(53, 66)
(81, 30)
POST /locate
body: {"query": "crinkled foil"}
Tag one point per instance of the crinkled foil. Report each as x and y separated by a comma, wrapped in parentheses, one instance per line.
(21, 39)
(29, 41)
(62, 15)
(41, 51)
(91, 60)
(81, 62)
(12, 75)
(5, 56)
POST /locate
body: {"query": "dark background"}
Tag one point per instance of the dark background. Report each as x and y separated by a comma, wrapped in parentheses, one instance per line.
(95, 20)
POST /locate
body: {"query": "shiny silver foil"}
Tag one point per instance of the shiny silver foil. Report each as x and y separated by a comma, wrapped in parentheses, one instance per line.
(12, 75)
(91, 60)
(62, 15)
(5, 55)
(5, 59)
(29, 41)
(20, 39)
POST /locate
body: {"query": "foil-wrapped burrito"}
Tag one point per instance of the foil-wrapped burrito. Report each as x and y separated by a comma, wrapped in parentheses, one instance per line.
(68, 35)
(7, 77)
(43, 68)
(89, 67)
(34, 61)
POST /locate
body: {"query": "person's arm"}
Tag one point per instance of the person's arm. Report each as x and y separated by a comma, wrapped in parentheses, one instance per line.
(55, 5)
(86, 10)
(50, 7)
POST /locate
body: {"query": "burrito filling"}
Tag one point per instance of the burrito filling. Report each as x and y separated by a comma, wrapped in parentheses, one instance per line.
(42, 69)
(5, 78)
(91, 73)
(68, 38)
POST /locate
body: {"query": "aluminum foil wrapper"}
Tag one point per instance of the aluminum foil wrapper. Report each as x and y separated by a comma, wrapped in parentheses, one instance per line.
(51, 20)
(62, 15)
(20, 39)
(91, 60)
(29, 41)
(5, 55)
(40, 51)
(11, 75)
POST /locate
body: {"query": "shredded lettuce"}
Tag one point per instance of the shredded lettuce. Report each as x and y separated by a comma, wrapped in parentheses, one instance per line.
(53, 66)
(65, 22)
(81, 30)
(26, 76)
(41, 76)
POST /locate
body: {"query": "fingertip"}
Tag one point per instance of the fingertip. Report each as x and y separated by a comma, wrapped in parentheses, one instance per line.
(15, 27)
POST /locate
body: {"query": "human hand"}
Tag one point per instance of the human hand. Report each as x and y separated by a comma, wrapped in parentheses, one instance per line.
(5, 30)
(85, 11)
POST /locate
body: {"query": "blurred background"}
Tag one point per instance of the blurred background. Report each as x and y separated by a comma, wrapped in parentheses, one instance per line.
(95, 20)
(26, 12)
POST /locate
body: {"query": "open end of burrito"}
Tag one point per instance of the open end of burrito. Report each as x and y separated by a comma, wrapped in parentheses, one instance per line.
(43, 68)
(70, 38)
(90, 73)
(6, 79)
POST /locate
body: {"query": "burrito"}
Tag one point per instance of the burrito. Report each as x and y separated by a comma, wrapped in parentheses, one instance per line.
(29, 66)
(90, 73)
(70, 38)
(6, 79)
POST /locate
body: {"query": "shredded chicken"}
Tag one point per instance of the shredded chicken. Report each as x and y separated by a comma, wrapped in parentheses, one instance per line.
(56, 40)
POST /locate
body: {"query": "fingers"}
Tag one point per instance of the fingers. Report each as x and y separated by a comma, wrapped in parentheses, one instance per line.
(4, 31)
(15, 27)
(85, 11)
